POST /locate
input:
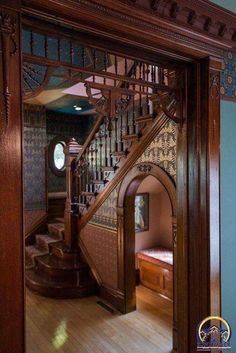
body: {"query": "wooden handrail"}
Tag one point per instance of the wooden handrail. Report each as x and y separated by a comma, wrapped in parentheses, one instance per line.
(136, 151)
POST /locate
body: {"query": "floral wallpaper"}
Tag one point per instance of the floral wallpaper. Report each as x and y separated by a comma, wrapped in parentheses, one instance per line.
(228, 76)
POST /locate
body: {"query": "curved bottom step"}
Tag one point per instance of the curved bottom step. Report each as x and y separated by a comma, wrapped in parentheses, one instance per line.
(48, 287)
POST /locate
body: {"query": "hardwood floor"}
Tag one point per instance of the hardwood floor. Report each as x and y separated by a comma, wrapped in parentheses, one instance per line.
(82, 326)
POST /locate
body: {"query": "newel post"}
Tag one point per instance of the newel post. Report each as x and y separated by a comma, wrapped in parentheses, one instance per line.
(70, 219)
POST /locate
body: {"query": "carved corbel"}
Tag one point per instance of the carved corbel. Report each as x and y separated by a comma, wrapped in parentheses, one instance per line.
(9, 48)
(168, 108)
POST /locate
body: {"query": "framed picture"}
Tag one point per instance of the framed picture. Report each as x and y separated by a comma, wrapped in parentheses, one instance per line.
(141, 209)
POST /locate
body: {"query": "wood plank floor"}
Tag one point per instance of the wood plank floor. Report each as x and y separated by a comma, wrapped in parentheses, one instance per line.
(82, 326)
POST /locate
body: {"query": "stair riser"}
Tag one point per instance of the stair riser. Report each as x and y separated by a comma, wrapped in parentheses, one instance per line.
(62, 274)
(55, 232)
(43, 244)
(69, 257)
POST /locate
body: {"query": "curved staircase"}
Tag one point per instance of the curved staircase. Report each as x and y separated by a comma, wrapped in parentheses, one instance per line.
(53, 271)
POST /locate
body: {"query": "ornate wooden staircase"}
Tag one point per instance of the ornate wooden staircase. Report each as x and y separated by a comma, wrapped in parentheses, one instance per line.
(128, 120)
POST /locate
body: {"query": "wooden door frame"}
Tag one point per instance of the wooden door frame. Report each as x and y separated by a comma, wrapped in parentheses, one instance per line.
(126, 236)
(198, 155)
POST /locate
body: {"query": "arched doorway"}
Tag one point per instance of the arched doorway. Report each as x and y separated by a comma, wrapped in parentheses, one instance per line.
(126, 231)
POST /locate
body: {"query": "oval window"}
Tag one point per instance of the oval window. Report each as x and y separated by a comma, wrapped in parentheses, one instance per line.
(59, 156)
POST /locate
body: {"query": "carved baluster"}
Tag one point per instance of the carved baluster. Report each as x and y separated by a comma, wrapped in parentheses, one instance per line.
(71, 237)
(46, 45)
(126, 67)
(127, 123)
(121, 133)
(105, 144)
(91, 169)
(59, 49)
(133, 117)
(83, 56)
(101, 145)
(8, 49)
(110, 130)
(96, 158)
(32, 42)
(71, 53)
(152, 74)
(94, 59)
(105, 66)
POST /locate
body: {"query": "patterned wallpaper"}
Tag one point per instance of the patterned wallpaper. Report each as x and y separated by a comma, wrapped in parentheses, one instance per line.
(35, 140)
(162, 150)
(228, 77)
(106, 215)
(102, 247)
(67, 126)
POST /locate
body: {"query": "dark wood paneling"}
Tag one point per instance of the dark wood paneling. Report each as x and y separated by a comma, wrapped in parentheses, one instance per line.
(11, 205)
(56, 204)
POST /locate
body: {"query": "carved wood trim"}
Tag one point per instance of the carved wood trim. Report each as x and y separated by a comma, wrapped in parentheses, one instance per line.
(126, 232)
(179, 26)
(9, 48)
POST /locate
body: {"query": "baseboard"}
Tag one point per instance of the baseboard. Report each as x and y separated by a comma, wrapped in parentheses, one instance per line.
(113, 296)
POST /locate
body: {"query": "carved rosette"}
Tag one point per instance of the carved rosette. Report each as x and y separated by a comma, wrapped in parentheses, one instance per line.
(144, 168)
(9, 48)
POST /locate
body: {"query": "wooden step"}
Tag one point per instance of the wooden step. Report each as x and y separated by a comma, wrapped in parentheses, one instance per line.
(144, 119)
(56, 229)
(43, 240)
(48, 287)
(32, 251)
(60, 269)
(120, 154)
(87, 193)
(61, 250)
(131, 137)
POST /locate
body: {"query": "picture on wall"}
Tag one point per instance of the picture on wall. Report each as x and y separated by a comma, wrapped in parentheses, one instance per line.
(141, 212)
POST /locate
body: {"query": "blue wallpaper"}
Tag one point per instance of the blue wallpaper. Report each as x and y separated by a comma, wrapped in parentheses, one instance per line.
(35, 140)
(228, 76)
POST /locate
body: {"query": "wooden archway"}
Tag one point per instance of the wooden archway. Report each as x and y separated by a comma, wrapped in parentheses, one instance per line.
(126, 233)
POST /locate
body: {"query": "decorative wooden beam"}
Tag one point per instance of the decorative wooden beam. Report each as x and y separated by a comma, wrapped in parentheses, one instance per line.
(9, 48)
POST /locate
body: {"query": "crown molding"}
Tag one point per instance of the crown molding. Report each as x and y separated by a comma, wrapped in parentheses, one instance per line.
(195, 28)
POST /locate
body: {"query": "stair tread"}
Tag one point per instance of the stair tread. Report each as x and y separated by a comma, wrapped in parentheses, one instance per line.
(56, 263)
(144, 118)
(45, 281)
(131, 137)
(46, 238)
(56, 228)
(87, 193)
(59, 219)
(34, 250)
(119, 153)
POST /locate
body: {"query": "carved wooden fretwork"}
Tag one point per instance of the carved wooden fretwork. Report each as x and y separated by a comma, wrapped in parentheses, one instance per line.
(8, 48)
(107, 100)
